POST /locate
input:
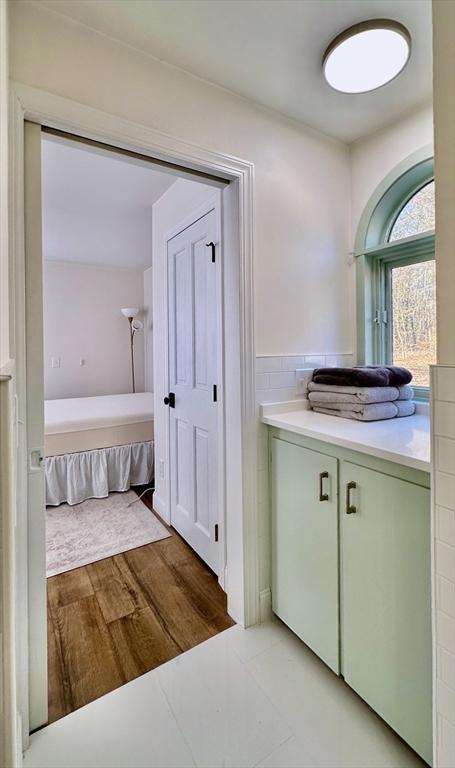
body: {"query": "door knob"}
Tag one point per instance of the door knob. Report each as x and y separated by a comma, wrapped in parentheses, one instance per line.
(170, 400)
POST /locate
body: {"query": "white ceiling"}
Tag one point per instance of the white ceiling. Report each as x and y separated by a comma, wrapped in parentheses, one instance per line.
(270, 51)
(97, 205)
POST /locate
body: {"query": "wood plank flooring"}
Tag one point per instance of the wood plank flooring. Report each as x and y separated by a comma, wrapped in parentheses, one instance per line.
(111, 621)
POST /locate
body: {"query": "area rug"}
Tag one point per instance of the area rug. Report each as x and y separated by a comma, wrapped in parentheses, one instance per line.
(98, 528)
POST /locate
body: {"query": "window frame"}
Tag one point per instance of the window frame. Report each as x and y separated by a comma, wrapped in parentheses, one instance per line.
(399, 253)
(396, 215)
(375, 256)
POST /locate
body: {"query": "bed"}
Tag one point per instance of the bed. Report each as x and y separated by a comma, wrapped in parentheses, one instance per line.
(95, 445)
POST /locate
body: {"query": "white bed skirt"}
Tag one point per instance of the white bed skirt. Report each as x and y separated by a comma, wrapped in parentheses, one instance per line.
(75, 477)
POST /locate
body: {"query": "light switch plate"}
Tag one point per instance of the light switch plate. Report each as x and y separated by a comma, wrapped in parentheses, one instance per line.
(55, 362)
(303, 377)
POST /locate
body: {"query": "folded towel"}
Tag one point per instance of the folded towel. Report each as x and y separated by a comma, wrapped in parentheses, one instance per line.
(342, 405)
(363, 376)
(406, 392)
(327, 393)
(369, 412)
(405, 407)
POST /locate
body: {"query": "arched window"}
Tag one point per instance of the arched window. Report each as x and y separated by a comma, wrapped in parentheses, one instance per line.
(399, 288)
(416, 216)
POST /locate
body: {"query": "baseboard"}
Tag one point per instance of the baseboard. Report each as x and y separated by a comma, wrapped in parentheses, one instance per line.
(265, 604)
(222, 579)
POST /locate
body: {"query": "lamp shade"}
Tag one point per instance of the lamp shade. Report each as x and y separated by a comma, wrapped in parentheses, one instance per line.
(129, 312)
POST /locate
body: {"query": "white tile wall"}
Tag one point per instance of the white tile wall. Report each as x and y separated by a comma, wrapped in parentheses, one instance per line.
(276, 383)
(443, 491)
(275, 374)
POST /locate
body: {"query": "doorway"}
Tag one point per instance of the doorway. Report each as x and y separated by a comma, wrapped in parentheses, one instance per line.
(36, 452)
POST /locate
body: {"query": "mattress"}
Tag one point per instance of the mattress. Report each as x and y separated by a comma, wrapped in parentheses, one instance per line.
(87, 423)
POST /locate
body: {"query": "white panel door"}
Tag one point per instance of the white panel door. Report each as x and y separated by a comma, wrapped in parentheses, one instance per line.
(193, 471)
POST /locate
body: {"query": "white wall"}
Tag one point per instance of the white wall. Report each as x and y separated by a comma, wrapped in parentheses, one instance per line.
(147, 319)
(4, 276)
(444, 117)
(82, 319)
(174, 207)
(444, 380)
(374, 157)
(301, 177)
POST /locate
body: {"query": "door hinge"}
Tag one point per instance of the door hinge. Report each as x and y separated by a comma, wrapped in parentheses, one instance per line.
(216, 531)
(380, 316)
(212, 246)
(215, 393)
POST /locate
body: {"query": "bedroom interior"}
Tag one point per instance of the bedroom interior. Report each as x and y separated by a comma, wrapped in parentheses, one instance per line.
(112, 563)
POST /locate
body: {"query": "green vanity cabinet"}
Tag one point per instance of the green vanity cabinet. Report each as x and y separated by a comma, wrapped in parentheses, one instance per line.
(386, 600)
(351, 573)
(305, 546)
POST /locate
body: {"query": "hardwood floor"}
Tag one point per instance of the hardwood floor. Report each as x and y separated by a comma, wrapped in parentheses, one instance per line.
(111, 621)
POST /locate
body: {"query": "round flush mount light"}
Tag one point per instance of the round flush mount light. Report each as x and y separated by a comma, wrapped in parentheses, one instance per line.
(367, 56)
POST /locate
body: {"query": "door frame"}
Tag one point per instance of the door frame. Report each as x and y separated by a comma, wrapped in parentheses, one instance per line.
(213, 203)
(242, 547)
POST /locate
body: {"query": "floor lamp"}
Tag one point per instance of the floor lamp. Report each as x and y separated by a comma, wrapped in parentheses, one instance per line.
(135, 326)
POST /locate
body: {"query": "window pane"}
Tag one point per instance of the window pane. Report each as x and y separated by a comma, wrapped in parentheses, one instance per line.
(417, 215)
(414, 319)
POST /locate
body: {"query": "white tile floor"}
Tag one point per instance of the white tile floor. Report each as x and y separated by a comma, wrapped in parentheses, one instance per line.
(255, 697)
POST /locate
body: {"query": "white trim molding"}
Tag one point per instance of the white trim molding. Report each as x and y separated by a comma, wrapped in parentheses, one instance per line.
(265, 599)
(159, 506)
(62, 114)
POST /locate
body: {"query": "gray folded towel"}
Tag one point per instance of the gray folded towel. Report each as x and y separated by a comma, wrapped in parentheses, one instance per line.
(405, 407)
(406, 392)
(368, 412)
(329, 393)
(344, 405)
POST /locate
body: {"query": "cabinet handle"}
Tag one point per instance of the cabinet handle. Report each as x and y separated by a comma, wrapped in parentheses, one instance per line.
(350, 508)
(322, 496)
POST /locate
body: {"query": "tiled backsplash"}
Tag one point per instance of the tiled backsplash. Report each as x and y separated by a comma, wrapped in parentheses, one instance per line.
(275, 374)
(443, 493)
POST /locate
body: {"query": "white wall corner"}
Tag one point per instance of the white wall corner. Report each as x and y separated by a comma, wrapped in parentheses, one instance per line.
(265, 605)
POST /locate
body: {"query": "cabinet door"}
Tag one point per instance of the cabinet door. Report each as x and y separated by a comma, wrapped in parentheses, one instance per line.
(305, 546)
(386, 608)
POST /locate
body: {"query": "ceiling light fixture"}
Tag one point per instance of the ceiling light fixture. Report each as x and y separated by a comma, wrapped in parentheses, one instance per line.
(367, 56)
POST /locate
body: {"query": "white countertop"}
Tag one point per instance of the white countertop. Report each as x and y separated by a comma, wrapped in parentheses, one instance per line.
(404, 441)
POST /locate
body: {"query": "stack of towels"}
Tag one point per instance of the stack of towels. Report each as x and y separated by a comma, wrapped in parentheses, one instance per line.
(365, 393)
